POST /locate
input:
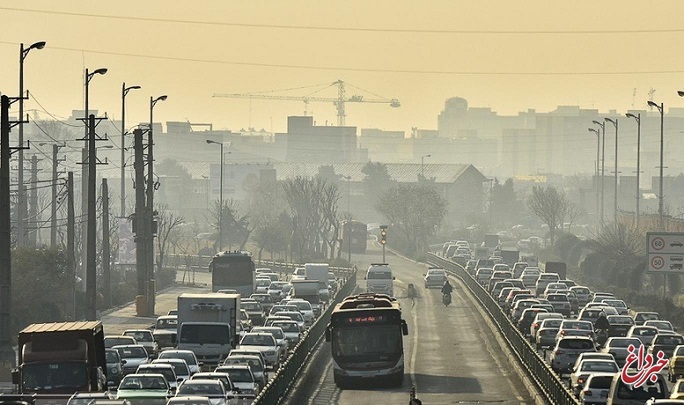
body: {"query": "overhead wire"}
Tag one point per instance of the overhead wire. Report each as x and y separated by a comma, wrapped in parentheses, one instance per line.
(350, 29)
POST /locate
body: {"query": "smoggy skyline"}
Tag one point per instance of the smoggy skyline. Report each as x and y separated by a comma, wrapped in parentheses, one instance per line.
(497, 54)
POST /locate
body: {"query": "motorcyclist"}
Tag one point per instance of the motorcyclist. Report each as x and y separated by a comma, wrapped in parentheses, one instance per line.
(602, 323)
(447, 288)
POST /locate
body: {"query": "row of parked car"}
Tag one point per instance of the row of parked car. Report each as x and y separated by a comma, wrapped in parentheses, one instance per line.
(560, 316)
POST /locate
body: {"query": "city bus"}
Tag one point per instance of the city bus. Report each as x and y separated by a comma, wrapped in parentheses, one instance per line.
(233, 270)
(354, 236)
(366, 339)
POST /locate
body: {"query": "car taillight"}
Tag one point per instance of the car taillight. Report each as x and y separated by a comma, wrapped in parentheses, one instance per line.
(588, 393)
(536, 325)
(562, 332)
(580, 381)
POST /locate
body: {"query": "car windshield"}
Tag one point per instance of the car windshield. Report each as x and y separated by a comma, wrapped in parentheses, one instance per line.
(53, 375)
(379, 275)
(199, 388)
(301, 305)
(239, 375)
(576, 344)
(179, 367)
(187, 356)
(577, 325)
(257, 340)
(551, 323)
(295, 316)
(254, 364)
(167, 372)
(624, 342)
(132, 352)
(139, 382)
(263, 282)
(276, 332)
(140, 336)
(251, 306)
(262, 298)
(112, 356)
(169, 323)
(664, 325)
(599, 366)
(620, 319)
(581, 291)
(669, 340)
(286, 326)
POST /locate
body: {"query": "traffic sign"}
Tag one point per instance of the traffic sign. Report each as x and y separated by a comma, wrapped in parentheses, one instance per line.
(665, 252)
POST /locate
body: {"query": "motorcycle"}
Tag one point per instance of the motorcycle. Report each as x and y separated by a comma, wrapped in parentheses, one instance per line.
(601, 337)
(446, 299)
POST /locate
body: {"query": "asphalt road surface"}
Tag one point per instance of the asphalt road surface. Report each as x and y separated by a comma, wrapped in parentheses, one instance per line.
(451, 353)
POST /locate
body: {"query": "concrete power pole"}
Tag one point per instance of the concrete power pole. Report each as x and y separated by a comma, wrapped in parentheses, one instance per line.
(106, 275)
(6, 351)
(71, 232)
(53, 211)
(139, 222)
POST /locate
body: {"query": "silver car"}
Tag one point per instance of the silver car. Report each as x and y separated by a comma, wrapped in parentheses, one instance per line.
(566, 351)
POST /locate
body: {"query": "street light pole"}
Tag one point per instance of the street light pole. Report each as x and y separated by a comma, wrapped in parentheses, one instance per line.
(603, 165)
(422, 165)
(124, 92)
(21, 195)
(638, 167)
(150, 207)
(596, 168)
(220, 211)
(615, 194)
(661, 110)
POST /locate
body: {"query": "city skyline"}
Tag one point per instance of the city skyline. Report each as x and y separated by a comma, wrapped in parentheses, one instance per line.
(507, 57)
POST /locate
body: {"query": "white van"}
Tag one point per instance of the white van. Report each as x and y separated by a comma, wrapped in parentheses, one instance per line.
(379, 279)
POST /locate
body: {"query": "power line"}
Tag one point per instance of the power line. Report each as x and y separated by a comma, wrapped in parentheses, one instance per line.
(352, 29)
(367, 70)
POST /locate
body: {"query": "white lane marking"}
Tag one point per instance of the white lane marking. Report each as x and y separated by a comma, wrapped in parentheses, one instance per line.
(414, 349)
(321, 382)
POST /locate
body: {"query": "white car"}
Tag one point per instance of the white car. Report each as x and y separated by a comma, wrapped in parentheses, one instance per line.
(265, 343)
(187, 355)
(299, 274)
(243, 379)
(145, 338)
(435, 278)
(261, 285)
(212, 389)
(291, 330)
(596, 388)
(305, 308)
(580, 372)
(166, 370)
(255, 363)
(279, 336)
(134, 355)
(179, 366)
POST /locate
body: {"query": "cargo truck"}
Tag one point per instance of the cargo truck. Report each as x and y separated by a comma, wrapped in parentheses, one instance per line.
(207, 325)
(309, 291)
(559, 268)
(319, 272)
(510, 257)
(61, 358)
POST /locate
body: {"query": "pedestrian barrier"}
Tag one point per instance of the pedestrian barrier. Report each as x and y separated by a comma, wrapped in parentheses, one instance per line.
(281, 383)
(546, 380)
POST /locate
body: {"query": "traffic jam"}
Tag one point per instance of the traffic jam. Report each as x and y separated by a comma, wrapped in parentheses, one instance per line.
(603, 350)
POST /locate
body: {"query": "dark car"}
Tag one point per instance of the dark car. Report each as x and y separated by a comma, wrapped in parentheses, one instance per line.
(666, 343)
(619, 325)
(115, 367)
(641, 317)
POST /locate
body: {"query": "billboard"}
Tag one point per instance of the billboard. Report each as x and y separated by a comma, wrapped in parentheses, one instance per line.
(238, 180)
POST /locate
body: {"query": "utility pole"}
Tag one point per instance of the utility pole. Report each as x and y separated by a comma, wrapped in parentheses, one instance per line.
(106, 254)
(71, 232)
(33, 212)
(5, 234)
(140, 219)
(151, 223)
(53, 212)
(91, 222)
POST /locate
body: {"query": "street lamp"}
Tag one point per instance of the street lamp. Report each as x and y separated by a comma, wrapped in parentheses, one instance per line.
(615, 194)
(150, 156)
(422, 165)
(220, 211)
(638, 167)
(124, 92)
(596, 167)
(21, 196)
(603, 164)
(661, 110)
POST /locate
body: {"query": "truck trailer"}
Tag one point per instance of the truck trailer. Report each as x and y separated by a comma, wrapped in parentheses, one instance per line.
(61, 358)
(207, 325)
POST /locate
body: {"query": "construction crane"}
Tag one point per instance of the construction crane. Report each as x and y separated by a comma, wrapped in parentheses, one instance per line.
(340, 101)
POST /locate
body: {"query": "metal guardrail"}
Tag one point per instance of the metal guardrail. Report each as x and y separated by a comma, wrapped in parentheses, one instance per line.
(544, 377)
(278, 387)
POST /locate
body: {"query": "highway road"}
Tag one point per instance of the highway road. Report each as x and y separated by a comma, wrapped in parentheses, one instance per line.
(452, 354)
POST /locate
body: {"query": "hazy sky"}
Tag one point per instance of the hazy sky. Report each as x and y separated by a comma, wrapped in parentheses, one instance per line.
(507, 55)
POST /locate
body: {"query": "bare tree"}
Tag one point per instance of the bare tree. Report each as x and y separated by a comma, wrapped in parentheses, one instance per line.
(550, 206)
(167, 225)
(572, 214)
